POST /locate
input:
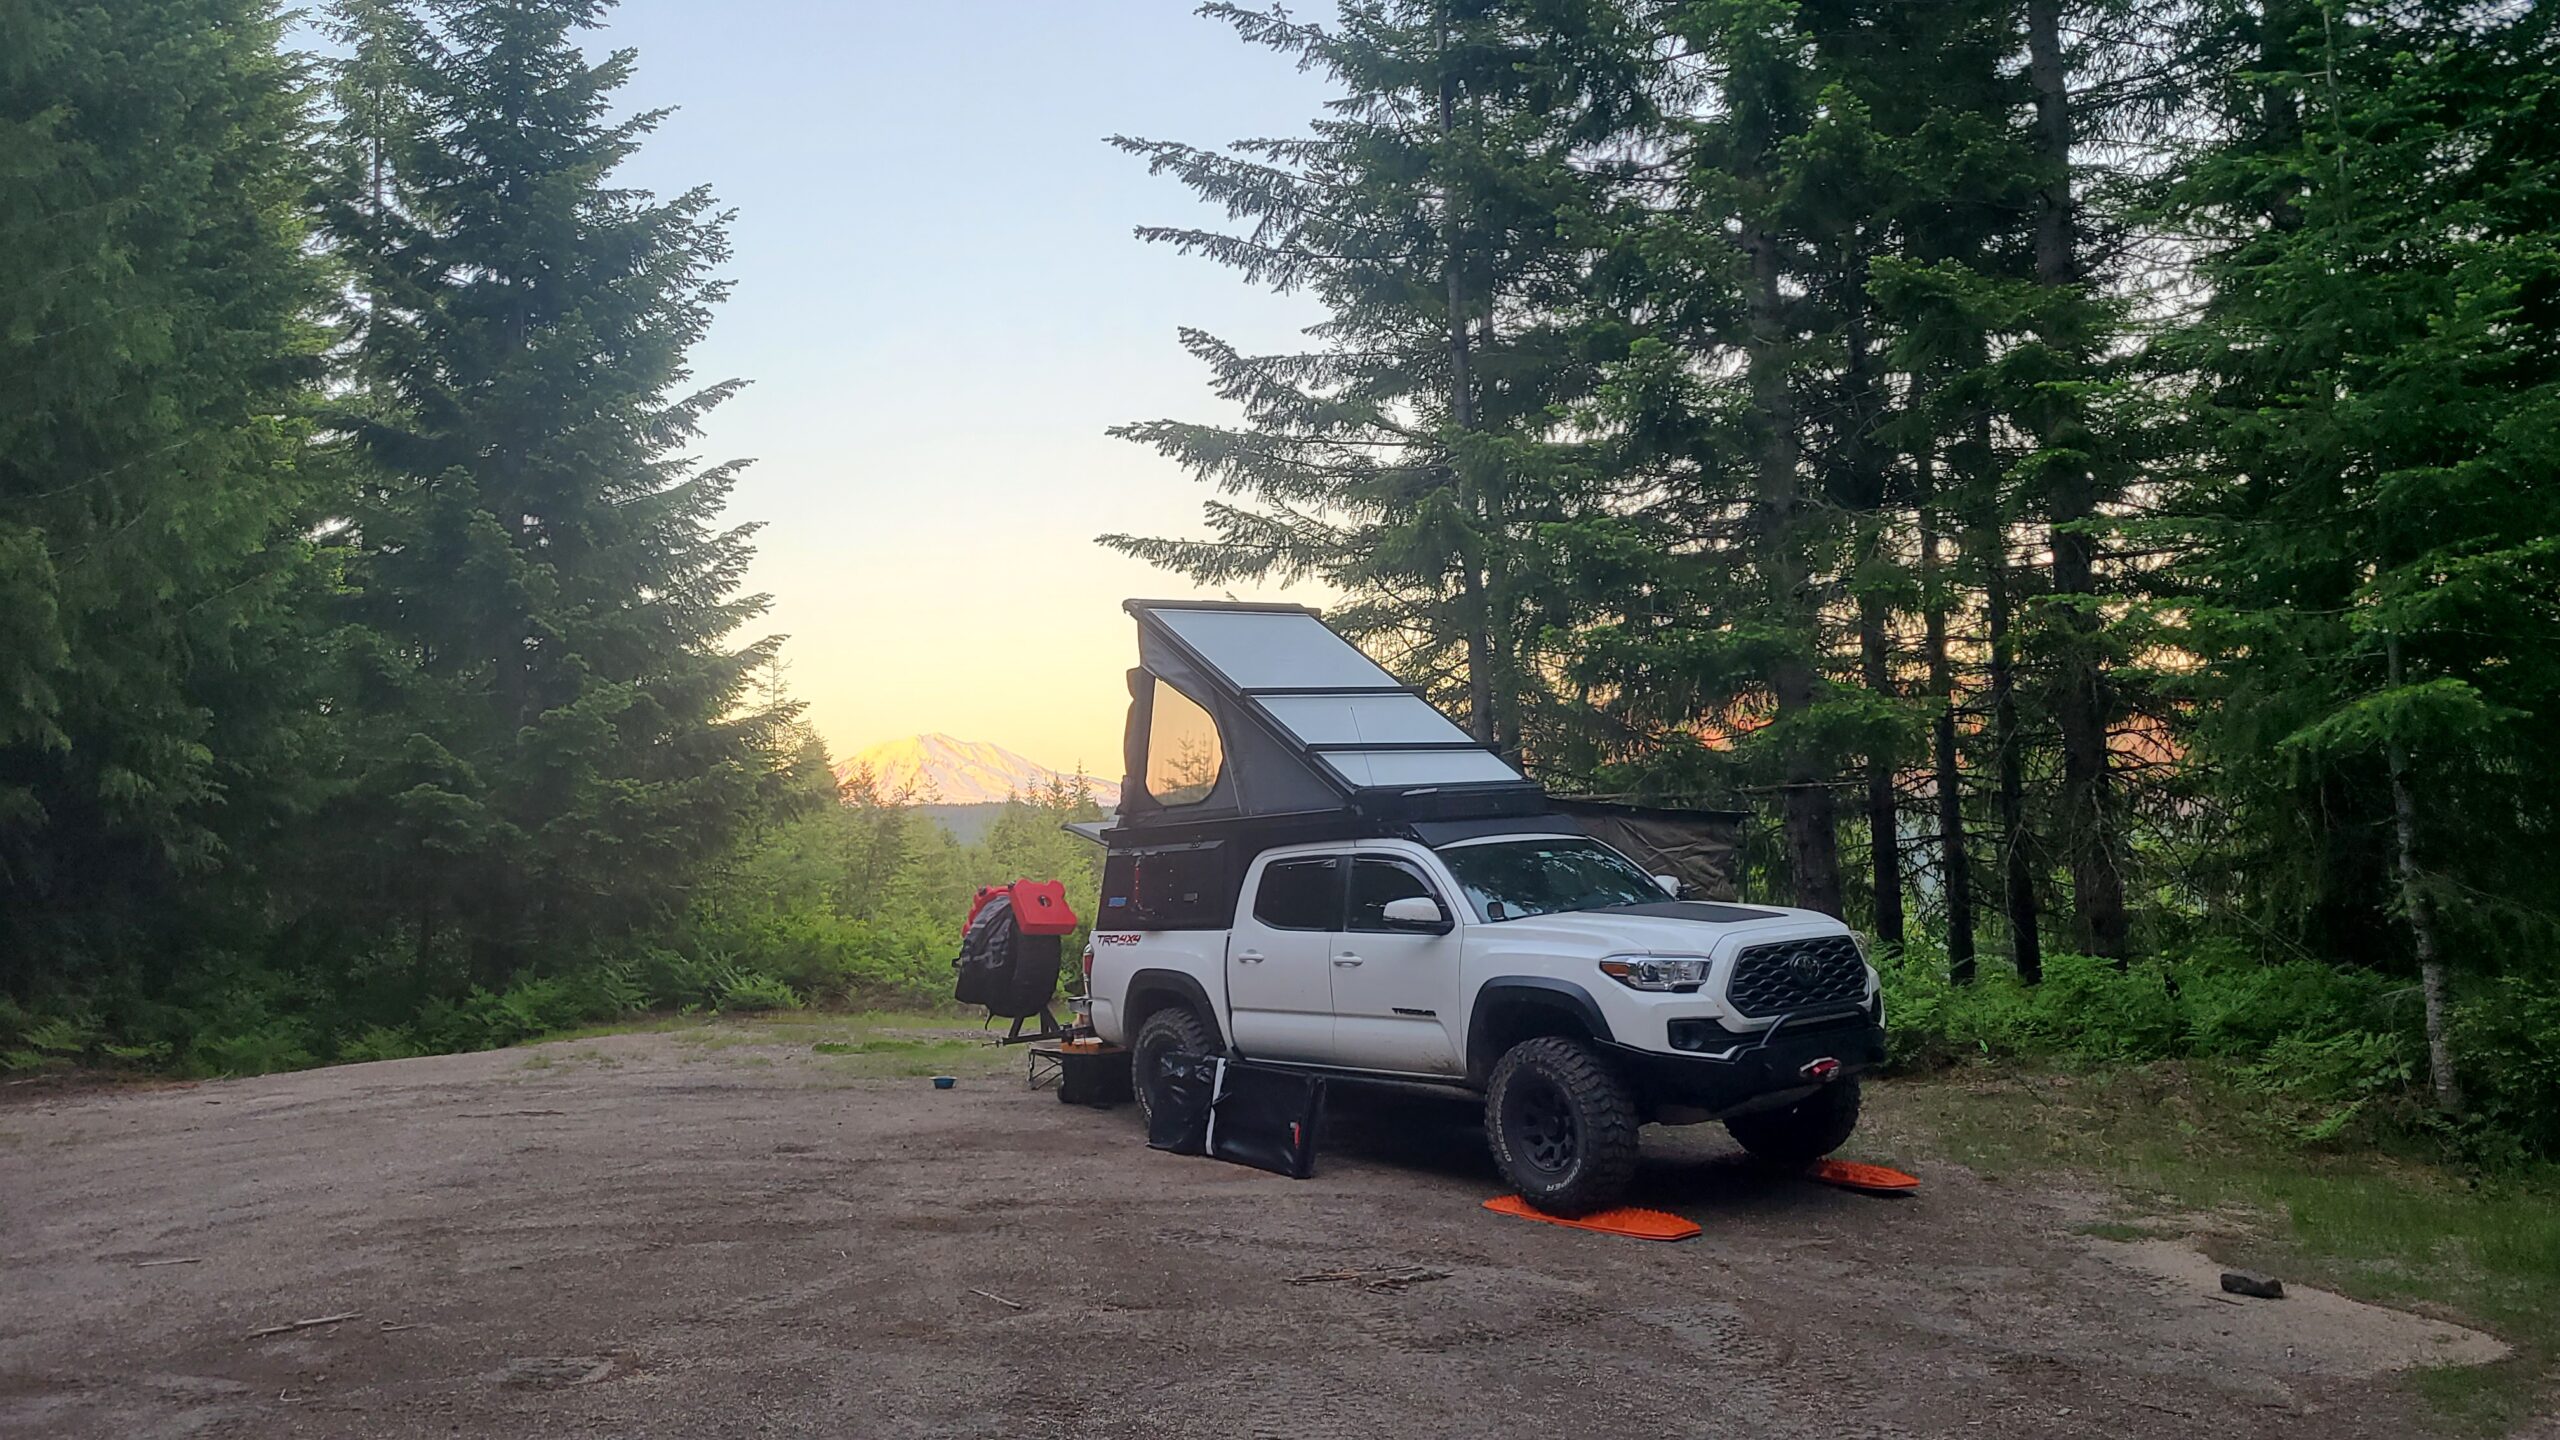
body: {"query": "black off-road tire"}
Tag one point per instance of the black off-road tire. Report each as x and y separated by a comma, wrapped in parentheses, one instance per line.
(1175, 1028)
(1803, 1132)
(1562, 1126)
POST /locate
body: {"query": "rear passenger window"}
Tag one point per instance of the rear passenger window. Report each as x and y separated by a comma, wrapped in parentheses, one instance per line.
(1301, 895)
(1374, 883)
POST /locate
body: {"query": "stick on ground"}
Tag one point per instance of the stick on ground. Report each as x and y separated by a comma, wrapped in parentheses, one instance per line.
(290, 1325)
(1394, 1277)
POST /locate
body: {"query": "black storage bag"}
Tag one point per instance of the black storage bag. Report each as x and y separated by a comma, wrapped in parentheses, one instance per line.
(986, 957)
(1268, 1119)
(1186, 1086)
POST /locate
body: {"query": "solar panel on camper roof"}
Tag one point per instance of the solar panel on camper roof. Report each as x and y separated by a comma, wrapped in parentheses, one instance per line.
(1376, 719)
(1275, 650)
(1374, 769)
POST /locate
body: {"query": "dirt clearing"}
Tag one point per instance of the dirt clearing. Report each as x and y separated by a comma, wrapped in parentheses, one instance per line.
(735, 1232)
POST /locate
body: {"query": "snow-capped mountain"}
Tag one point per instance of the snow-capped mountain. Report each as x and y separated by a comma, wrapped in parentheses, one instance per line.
(948, 771)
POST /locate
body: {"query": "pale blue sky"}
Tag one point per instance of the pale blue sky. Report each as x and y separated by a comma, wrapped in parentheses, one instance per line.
(941, 306)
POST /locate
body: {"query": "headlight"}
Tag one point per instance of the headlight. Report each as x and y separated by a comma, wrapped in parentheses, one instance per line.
(1656, 972)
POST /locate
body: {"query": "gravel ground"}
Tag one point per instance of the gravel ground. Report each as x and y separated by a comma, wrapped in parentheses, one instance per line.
(722, 1233)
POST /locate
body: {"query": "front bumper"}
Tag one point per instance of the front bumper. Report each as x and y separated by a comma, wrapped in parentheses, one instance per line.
(1761, 1071)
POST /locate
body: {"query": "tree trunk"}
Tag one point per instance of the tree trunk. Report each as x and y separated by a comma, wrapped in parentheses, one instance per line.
(1812, 833)
(1867, 470)
(2017, 866)
(2422, 925)
(1884, 838)
(2279, 105)
(1478, 618)
(1479, 623)
(2081, 700)
(1955, 867)
(2057, 258)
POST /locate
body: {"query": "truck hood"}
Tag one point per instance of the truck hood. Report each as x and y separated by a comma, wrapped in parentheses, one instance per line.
(1674, 927)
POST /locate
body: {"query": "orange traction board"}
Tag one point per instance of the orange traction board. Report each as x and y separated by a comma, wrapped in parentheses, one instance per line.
(1625, 1220)
(1875, 1179)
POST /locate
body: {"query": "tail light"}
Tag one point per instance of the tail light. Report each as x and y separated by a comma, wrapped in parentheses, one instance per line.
(1088, 962)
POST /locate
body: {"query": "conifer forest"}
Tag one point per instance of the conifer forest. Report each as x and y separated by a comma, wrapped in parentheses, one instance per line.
(2082, 476)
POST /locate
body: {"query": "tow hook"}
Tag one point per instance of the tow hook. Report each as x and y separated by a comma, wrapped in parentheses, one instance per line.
(1821, 1071)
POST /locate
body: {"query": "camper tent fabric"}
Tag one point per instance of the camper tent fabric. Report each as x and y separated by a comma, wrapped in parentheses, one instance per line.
(1701, 848)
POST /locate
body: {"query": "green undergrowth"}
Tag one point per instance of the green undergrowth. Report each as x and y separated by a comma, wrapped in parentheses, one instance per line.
(885, 1057)
(844, 1044)
(2336, 1056)
(2196, 1143)
(849, 908)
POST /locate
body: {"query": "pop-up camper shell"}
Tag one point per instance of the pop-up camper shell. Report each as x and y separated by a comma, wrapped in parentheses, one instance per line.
(1254, 725)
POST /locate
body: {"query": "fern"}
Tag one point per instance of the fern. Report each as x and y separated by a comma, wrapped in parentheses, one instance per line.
(748, 993)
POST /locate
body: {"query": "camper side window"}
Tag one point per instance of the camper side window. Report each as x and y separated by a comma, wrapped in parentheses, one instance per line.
(1183, 753)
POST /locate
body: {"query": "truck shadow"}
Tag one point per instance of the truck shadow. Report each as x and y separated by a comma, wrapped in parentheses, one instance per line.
(1408, 1127)
(1420, 1130)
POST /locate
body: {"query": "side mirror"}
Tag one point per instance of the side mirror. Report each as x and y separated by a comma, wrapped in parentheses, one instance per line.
(1417, 912)
(1670, 885)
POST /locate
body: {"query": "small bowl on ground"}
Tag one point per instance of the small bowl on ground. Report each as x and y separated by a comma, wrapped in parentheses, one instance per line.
(945, 1082)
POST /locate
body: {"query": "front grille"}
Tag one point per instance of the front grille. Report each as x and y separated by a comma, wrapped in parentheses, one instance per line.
(1797, 975)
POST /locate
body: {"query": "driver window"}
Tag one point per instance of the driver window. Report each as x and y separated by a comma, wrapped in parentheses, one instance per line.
(1374, 882)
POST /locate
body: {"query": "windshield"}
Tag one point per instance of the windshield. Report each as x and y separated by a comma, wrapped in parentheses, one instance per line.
(1509, 879)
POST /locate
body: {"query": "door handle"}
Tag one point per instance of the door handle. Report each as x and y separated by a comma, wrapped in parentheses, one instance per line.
(1248, 957)
(1346, 960)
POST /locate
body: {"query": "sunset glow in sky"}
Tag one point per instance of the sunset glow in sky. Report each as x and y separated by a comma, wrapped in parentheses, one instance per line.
(940, 307)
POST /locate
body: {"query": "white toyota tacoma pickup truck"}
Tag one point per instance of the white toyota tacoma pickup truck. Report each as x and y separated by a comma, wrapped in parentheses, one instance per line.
(1312, 866)
(1545, 970)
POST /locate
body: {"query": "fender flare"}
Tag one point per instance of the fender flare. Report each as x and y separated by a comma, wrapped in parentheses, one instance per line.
(1535, 990)
(1181, 984)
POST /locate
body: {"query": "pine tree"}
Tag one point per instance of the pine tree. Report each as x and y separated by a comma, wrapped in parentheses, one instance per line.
(156, 357)
(1853, 193)
(1945, 282)
(1441, 214)
(2077, 477)
(2372, 511)
(551, 690)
